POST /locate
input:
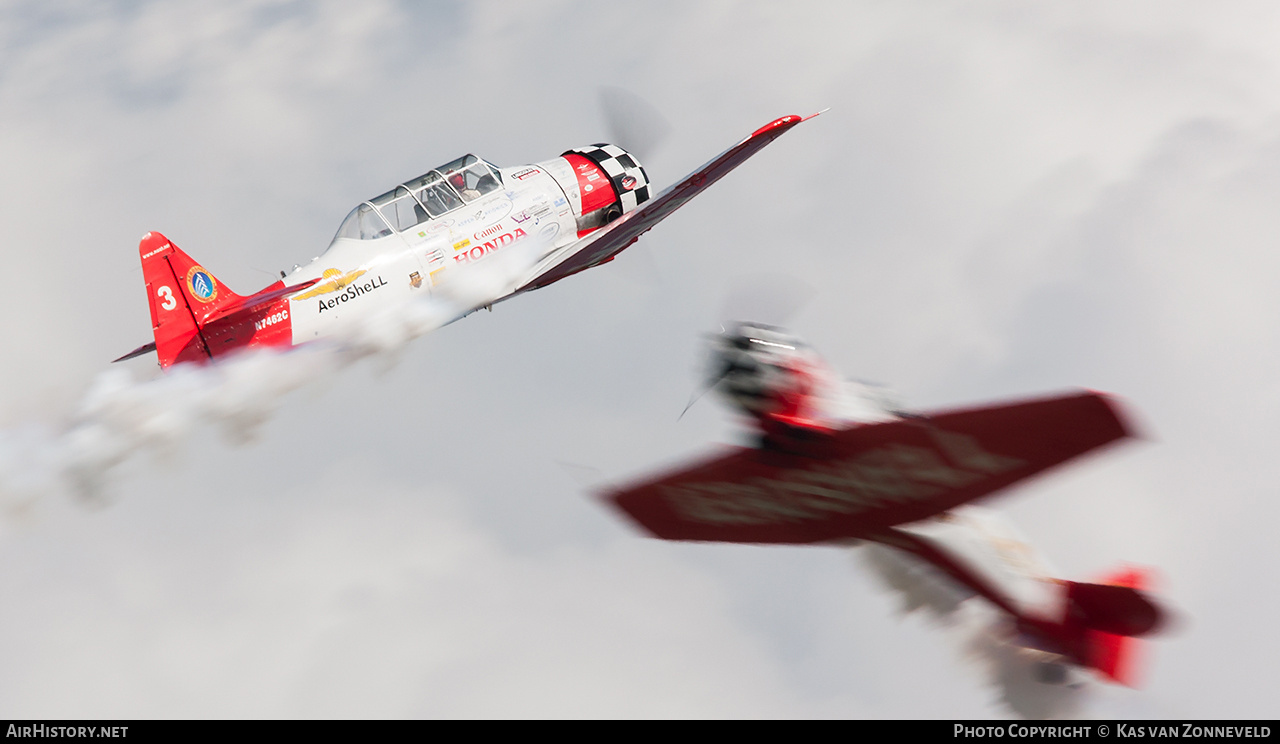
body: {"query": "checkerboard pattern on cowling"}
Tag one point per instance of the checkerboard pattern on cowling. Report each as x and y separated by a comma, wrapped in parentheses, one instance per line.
(620, 166)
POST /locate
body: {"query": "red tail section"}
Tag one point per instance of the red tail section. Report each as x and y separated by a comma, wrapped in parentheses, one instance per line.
(196, 317)
(182, 295)
(1115, 654)
(1114, 657)
(1102, 624)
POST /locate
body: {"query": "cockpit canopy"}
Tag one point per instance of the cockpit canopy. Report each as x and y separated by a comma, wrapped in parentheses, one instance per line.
(433, 194)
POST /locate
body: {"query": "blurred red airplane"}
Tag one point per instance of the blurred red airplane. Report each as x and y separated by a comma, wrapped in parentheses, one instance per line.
(837, 462)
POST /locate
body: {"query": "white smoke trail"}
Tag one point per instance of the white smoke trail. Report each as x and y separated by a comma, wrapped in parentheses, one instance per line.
(121, 417)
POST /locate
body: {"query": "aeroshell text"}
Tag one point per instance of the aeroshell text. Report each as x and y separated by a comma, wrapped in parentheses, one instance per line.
(352, 292)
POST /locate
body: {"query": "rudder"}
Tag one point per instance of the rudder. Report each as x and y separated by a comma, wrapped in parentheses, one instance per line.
(181, 295)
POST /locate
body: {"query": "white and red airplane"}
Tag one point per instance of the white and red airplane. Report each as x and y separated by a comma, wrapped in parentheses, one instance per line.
(839, 463)
(576, 211)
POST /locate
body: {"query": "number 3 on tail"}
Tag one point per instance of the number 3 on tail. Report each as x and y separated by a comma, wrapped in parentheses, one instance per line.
(167, 294)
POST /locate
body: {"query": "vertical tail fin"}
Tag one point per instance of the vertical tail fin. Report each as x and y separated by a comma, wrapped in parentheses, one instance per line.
(181, 295)
(1114, 657)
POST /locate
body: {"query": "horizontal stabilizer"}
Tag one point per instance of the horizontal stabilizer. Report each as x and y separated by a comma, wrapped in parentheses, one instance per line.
(149, 346)
(1118, 610)
(1116, 655)
(259, 300)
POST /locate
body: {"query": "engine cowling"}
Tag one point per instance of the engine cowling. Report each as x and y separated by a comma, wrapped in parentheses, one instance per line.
(602, 182)
(771, 376)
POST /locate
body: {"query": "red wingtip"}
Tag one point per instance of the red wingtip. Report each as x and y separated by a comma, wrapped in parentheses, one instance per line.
(789, 120)
(1122, 413)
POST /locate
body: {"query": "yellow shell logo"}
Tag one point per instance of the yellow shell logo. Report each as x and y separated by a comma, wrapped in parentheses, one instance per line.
(334, 281)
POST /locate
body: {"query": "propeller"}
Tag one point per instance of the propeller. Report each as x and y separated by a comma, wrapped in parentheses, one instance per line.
(707, 386)
(771, 300)
(633, 123)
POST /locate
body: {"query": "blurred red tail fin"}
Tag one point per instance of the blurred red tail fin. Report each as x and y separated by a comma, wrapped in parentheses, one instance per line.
(1116, 612)
(1114, 656)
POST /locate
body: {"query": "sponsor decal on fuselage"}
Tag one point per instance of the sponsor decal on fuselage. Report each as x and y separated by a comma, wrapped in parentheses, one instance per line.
(487, 214)
(334, 280)
(536, 213)
(488, 232)
(435, 226)
(202, 285)
(353, 291)
(489, 246)
(271, 320)
(415, 280)
(524, 173)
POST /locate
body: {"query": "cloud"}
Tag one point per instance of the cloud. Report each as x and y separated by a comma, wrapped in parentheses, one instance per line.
(329, 599)
(1002, 199)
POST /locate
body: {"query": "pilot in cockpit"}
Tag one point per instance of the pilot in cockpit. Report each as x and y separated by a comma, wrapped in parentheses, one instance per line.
(459, 182)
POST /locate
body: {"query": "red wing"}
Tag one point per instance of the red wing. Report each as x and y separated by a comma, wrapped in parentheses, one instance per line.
(871, 477)
(610, 240)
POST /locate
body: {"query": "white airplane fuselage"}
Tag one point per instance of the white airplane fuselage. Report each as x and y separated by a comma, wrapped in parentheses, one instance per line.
(532, 209)
(468, 225)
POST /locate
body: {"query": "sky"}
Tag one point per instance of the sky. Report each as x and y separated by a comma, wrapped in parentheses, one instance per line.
(1004, 199)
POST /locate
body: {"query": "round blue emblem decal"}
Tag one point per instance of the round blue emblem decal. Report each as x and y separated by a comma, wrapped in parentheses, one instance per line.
(202, 286)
